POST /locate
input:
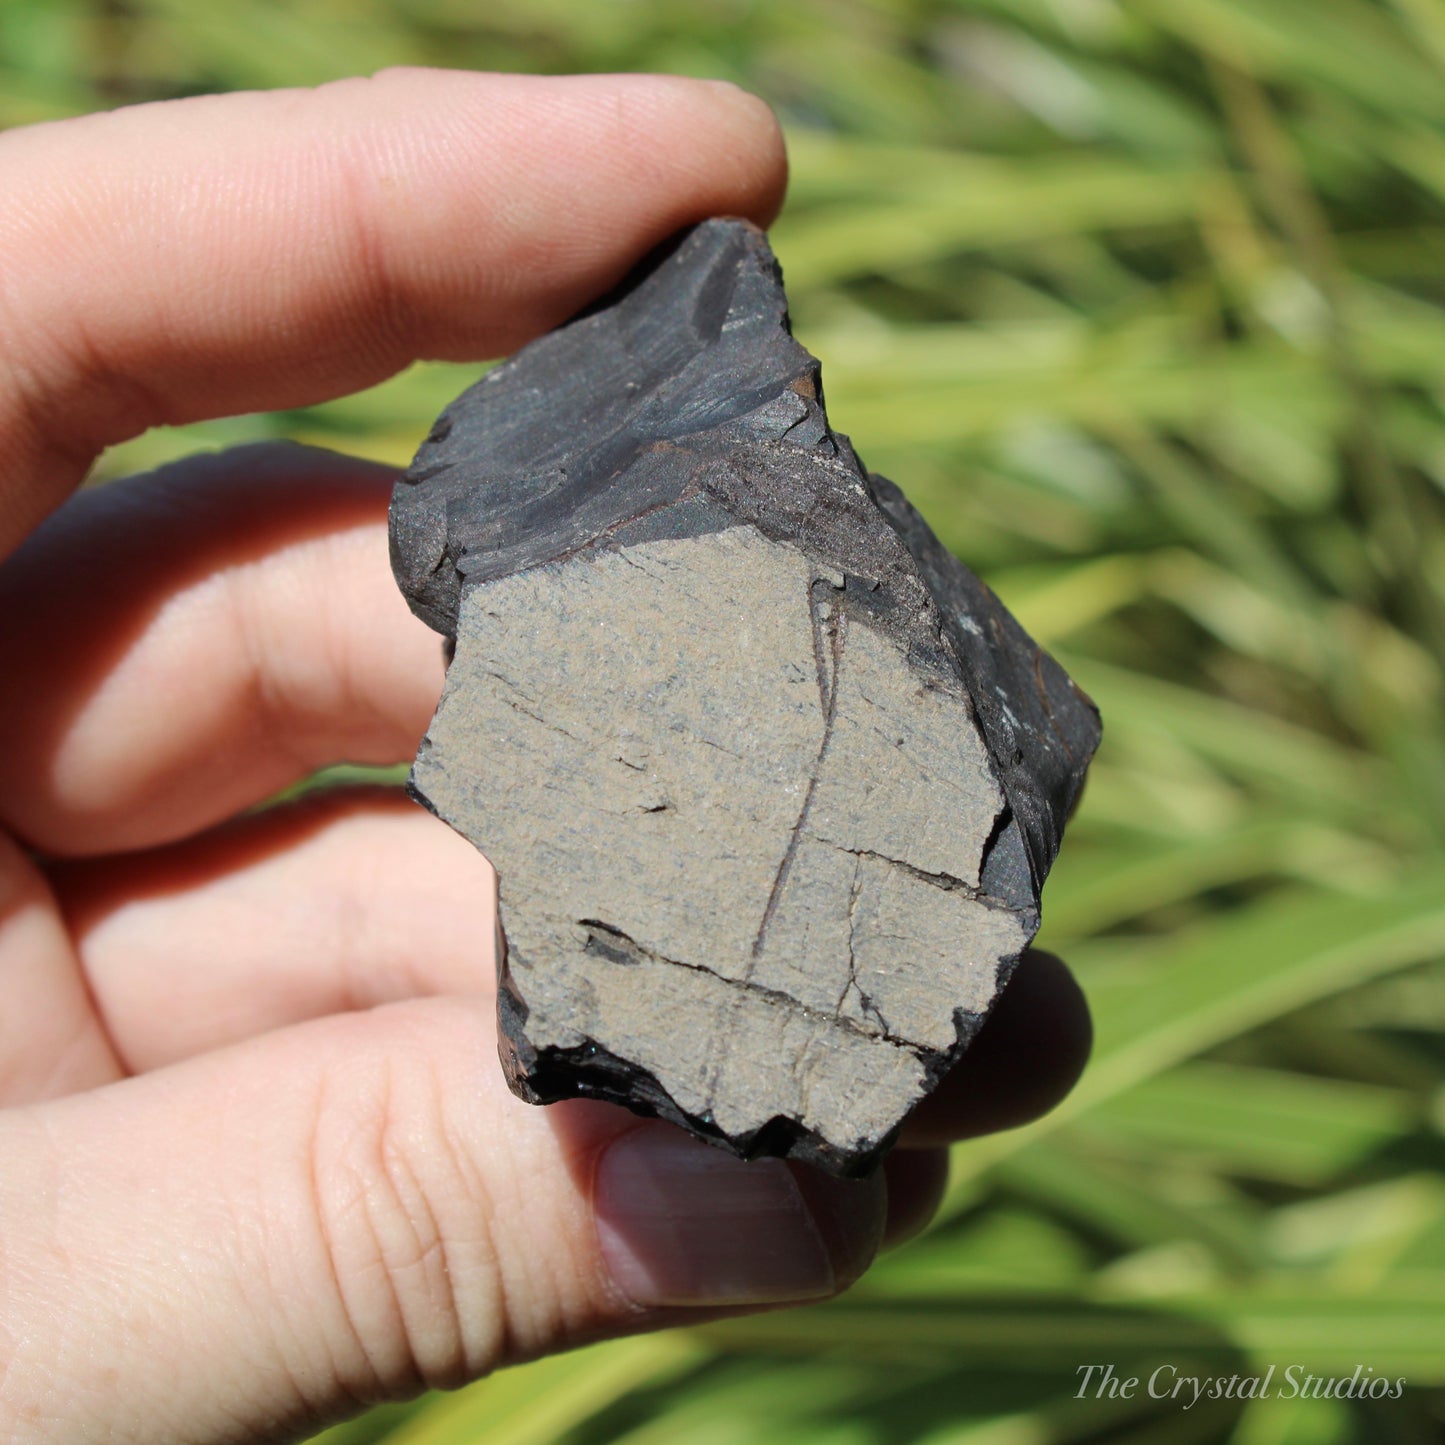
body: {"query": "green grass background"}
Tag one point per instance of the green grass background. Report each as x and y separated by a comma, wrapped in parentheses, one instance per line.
(1141, 301)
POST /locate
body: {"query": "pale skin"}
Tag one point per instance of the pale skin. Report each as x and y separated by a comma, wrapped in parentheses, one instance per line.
(257, 1162)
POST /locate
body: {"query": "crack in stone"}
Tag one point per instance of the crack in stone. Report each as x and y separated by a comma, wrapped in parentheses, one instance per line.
(865, 999)
(854, 889)
(708, 742)
(606, 941)
(516, 706)
(825, 685)
(945, 882)
(836, 635)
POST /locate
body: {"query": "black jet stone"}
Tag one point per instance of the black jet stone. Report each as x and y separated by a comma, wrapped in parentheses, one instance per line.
(770, 779)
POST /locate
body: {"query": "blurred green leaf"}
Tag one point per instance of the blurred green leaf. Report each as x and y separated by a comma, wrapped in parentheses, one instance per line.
(1266, 1123)
(543, 1401)
(1312, 1330)
(1235, 975)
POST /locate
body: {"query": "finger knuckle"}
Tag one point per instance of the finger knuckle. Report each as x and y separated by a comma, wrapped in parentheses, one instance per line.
(405, 1225)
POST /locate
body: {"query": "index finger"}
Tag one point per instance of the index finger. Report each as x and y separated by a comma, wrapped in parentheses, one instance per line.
(246, 252)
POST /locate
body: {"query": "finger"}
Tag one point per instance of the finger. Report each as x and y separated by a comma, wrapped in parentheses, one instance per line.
(337, 903)
(267, 1237)
(200, 638)
(245, 252)
(917, 1180)
(51, 1039)
(1025, 1059)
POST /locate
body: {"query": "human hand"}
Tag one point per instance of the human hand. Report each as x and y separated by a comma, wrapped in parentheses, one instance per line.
(257, 1162)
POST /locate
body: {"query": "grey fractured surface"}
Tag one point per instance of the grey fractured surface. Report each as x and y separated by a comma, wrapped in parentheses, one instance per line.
(770, 780)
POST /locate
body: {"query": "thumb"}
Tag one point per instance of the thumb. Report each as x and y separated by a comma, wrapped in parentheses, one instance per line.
(265, 1238)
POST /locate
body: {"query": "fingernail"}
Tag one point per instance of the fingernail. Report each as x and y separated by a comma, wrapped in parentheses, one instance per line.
(683, 1223)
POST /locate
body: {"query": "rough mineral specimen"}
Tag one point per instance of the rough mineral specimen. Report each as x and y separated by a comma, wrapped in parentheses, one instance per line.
(770, 780)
